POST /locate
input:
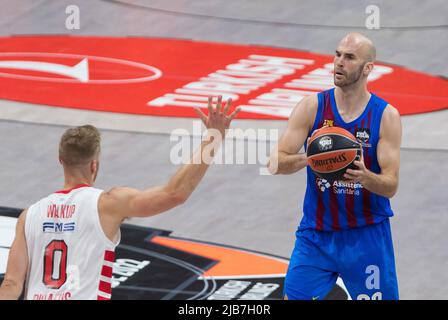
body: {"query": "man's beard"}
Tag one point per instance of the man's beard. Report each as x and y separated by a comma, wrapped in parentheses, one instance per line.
(348, 79)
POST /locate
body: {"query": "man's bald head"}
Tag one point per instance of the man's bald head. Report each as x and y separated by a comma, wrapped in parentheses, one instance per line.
(354, 60)
(360, 44)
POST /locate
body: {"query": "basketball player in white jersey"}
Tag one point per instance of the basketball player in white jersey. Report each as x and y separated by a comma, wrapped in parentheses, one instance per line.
(64, 244)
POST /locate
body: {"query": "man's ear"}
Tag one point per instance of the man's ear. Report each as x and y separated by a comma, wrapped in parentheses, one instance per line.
(94, 165)
(368, 67)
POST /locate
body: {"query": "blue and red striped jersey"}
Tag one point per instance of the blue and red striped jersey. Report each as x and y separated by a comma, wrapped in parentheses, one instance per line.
(336, 205)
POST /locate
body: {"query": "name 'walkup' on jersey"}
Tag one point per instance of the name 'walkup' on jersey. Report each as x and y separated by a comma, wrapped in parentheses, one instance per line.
(70, 257)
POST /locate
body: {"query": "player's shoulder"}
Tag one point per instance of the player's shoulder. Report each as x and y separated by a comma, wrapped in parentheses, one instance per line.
(390, 115)
(307, 106)
(391, 111)
(303, 114)
(120, 191)
(22, 220)
(385, 107)
(23, 214)
(390, 120)
(310, 101)
(115, 195)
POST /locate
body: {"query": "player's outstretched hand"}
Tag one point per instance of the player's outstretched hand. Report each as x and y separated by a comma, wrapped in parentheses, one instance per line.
(218, 116)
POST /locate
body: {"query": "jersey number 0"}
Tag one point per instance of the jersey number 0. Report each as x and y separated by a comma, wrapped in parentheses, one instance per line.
(51, 263)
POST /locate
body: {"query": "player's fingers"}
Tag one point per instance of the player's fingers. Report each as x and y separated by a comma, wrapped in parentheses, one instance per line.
(352, 172)
(201, 114)
(234, 113)
(359, 164)
(209, 105)
(227, 106)
(349, 177)
(219, 104)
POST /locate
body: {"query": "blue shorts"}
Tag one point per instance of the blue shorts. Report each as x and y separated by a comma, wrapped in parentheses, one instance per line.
(363, 257)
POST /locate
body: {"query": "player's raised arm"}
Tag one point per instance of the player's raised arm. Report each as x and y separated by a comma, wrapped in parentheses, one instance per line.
(17, 267)
(127, 202)
(285, 158)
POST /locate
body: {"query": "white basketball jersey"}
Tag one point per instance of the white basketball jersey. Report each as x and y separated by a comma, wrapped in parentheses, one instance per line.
(70, 257)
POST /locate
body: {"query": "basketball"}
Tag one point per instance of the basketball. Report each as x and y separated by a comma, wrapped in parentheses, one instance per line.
(331, 151)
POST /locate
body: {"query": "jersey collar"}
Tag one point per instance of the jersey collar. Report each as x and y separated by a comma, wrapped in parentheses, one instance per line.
(76, 187)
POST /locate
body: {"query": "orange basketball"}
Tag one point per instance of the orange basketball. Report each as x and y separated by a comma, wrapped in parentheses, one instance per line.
(330, 151)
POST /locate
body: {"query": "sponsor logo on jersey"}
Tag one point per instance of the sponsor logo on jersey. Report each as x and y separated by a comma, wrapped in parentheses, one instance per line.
(322, 184)
(339, 186)
(58, 227)
(363, 136)
(328, 123)
(347, 187)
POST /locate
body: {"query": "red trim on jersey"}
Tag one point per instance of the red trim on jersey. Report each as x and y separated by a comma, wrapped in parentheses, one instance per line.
(350, 210)
(76, 187)
(109, 256)
(368, 118)
(334, 211)
(328, 114)
(328, 110)
(106, 271)
(366, 198)
(320, 210)
(350, 206)
(105, 287)
(366, 193)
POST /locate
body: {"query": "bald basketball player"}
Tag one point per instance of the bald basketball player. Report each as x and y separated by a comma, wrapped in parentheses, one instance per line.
(64, 244)
(345, 227)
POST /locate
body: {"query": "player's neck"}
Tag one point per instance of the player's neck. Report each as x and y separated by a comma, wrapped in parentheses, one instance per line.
(72, 181)
(351, 99)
